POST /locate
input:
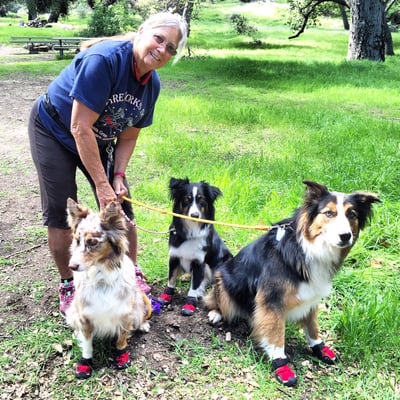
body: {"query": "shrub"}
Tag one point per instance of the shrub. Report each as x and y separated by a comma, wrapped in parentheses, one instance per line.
(108, 20)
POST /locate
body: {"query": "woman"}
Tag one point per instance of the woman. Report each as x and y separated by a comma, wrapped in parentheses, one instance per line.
(90, 119)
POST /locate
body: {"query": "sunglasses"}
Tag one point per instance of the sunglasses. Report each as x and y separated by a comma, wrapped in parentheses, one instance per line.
(170, 48)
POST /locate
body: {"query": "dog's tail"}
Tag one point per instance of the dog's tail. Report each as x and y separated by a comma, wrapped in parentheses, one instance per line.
(148, 305)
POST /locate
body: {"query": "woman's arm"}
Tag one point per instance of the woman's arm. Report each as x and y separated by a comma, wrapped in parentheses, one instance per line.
(125, 145)
(82, 120)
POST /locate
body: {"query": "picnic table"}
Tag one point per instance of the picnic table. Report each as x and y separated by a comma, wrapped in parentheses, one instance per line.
(35, 44)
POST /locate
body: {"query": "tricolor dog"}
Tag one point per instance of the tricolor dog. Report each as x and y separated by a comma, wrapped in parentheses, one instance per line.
(107, 301)
(283, 275)
(194, 247)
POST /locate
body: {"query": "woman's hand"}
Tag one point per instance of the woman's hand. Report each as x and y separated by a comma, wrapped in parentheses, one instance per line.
(120, 188)
(105, 194)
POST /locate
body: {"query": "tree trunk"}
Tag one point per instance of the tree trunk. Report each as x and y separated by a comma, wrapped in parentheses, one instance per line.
(367, 30)
(53, 17)
(345, 20)
(388, 41)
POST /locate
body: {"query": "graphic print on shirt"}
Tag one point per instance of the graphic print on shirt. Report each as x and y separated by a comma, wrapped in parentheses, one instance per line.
(122, 111)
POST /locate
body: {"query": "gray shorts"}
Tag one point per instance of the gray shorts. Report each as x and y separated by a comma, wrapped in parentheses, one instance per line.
(56, 167)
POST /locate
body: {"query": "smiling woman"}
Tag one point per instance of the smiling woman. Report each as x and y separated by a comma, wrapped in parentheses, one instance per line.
(90, 119)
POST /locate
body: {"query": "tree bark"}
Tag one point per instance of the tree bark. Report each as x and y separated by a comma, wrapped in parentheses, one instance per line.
(389, 50)
(345, 20)
(367, 30)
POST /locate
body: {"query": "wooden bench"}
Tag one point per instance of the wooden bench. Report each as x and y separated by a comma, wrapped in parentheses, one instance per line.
(35, 44)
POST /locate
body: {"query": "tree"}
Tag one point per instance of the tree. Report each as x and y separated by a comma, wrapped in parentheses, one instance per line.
(370, 37)
(186, 8)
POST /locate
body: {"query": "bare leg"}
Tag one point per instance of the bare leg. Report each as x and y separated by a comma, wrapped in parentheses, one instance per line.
(133, 243)
(59, 243)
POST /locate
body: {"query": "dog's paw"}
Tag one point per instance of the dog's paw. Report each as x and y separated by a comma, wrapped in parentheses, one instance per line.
(122, 360)
(283, 373)
(324, 353)
(145, 327)
(84, 368)
(214, 317)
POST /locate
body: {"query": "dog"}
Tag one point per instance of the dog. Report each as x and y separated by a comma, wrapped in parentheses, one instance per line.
(194, 247)
(283, 275)
(107, 301)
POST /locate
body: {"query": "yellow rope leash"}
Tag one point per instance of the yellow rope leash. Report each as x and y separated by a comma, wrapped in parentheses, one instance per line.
(205, 221)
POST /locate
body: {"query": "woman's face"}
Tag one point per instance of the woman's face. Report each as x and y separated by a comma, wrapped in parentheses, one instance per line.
(155, 46)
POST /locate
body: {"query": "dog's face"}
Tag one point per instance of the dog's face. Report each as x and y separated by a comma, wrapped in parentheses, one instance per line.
(334, 218)
(193, 199)
(96, 238)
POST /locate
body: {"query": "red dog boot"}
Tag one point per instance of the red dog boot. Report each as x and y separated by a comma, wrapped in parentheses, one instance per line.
(189, 308)
(122, 359)
(283, 373)
(324, 353)
(166, 297)
(84, 368)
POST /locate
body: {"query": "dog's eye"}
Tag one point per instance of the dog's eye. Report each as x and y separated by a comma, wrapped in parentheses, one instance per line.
(187, 200)
(91, 242)
(329, 214)
(351, 214)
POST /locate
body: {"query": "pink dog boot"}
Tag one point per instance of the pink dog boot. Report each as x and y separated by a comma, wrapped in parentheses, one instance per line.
(166, 297)
(122, 359)
(283, 373)
(189, 308)
(84, 368)
(324, 353)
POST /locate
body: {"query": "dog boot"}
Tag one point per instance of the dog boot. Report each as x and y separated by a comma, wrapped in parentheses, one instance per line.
(122, 359)
(166, 297)
(283, 373)
(324, 353)
(189, 308)
(84, 368)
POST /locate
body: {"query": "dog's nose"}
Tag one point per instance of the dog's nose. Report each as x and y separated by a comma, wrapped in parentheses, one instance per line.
(345, 237)
(195, 215)
(74, 267)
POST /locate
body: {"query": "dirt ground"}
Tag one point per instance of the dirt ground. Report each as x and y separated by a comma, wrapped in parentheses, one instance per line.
(23, 243)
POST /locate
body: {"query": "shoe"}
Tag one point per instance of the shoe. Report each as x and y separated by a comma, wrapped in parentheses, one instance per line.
(66, 293)
(84, 368)
(141, 281)
(324, 353)
(166, 297)
(122, 359)
(283, 373)
(189, 308)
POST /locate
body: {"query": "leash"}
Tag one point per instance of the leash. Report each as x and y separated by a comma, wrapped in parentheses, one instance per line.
(205, 221)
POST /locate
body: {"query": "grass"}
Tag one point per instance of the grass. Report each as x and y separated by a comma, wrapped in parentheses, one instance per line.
(255, 122)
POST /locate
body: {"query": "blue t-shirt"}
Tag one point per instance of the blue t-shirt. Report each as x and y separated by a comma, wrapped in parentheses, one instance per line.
(102, 77)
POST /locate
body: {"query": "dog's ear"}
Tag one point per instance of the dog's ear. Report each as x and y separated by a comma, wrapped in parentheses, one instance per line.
(175, 184)
(363, 204)
(75, 213)
(112, 218)
(214, 192)
(315, 190)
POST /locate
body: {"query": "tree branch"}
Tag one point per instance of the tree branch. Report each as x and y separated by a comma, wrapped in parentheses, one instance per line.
(311, 10)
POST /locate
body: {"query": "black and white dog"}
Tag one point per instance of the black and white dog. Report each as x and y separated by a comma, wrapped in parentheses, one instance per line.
(194, 247)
